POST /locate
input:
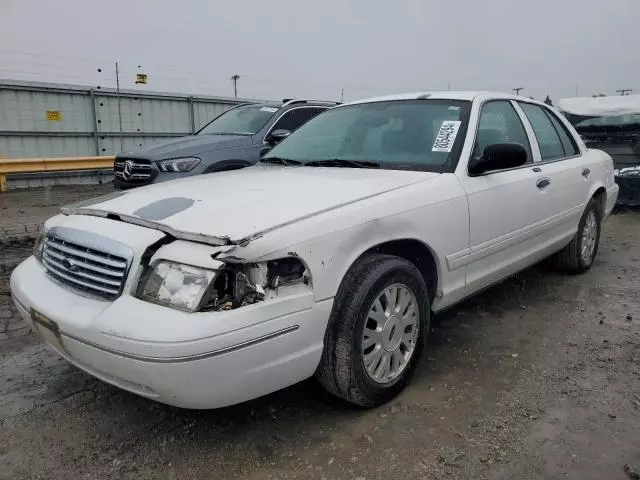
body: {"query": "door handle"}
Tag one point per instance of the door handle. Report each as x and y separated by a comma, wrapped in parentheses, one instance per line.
(537, 169)
(586, 172)
(543, 183)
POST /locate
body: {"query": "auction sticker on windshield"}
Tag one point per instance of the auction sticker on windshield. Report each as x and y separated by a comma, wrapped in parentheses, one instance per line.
(446, 136)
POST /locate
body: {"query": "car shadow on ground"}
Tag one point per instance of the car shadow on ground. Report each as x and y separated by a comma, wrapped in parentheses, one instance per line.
(457, 326)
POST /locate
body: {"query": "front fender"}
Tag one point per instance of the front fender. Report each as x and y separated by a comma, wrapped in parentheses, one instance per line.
(443, 227)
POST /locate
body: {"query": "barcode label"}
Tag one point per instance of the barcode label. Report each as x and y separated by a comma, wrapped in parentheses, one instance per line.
(446, 136)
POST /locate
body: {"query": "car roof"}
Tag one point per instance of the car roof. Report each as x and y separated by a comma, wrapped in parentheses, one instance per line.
(444, 95)
(295, 102)
(262, 104)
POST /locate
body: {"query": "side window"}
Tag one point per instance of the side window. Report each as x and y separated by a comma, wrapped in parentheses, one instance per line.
(546, 134)
(568, 143)
(295, 118)
(499, 123)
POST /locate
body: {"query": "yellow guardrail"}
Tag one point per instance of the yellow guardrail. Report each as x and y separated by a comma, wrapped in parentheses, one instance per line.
(56, 164)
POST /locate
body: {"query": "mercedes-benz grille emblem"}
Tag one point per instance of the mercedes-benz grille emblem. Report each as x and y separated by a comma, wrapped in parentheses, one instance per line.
(127, 171)
(69, 264)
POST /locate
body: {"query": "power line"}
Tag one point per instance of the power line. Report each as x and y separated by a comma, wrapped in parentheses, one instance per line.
(47, 55)
(190, 76)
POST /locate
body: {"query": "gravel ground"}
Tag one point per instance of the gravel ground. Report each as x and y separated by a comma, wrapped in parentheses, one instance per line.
(536, 378)
(22, 212)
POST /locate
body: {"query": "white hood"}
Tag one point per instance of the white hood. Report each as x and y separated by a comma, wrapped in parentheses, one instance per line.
(232, 207)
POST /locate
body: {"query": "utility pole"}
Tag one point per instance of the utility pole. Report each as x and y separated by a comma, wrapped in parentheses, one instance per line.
(119, 107)
(624, 91)
(342, 96)
(516, 91)
(235, 79)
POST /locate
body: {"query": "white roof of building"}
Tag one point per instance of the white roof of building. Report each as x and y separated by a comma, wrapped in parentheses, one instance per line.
(601, 106)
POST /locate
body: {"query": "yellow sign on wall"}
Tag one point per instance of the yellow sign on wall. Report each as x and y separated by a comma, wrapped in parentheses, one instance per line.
(141, 78)
(54, 116)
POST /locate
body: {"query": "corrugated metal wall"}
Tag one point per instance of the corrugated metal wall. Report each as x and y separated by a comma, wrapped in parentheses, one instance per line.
(49, 120)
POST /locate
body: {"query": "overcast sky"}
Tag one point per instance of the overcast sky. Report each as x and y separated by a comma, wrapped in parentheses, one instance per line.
(284, 48)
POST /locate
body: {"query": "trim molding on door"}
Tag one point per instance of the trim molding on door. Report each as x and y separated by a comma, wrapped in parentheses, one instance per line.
(465, 257)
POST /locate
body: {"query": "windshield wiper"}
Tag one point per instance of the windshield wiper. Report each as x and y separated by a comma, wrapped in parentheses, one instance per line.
(281, 161)
(341, 162)
(243, 134)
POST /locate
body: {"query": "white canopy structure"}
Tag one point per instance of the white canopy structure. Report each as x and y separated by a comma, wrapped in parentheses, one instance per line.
(600, 106)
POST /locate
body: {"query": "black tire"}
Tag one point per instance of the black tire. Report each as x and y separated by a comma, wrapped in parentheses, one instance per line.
(570, 259)
(342, 371)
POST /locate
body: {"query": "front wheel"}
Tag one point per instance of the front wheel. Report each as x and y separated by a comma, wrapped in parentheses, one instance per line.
(376, 332)
(578, 256)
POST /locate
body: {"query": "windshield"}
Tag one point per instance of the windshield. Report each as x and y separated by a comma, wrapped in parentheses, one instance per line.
(400, 134)
(245, 120)
(610, 121)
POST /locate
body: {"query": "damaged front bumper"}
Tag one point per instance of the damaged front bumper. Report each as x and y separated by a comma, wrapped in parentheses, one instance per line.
(191, 360)
(628, 179)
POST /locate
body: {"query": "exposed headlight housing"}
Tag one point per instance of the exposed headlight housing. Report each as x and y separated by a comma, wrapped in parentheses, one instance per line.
(176, 285)
(240, 284)
(185, 164)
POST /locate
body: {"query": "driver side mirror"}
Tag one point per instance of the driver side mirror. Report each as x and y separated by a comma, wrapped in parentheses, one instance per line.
(499, 156)
(277, 136)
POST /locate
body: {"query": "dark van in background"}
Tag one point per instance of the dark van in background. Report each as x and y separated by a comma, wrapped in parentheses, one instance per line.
(611, 124)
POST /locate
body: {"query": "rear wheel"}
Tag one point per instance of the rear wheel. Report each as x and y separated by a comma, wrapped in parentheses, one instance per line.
(578, 256)
(376, 331)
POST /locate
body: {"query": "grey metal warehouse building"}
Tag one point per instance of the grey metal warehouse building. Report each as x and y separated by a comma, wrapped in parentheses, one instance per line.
(56, 120)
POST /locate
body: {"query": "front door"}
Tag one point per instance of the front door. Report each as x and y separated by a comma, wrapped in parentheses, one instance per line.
(502, 204)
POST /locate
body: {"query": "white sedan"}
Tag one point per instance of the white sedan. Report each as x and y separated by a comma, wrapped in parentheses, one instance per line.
(327, 259)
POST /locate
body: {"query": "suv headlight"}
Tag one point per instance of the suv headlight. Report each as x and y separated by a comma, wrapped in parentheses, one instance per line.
(176, 285)
(178, 164)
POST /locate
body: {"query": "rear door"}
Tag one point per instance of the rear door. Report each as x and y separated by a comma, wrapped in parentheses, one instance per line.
(566, 172)
(502, 204)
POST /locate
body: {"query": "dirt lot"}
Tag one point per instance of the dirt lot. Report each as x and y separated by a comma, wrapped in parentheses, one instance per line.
(537, 378)
(23, 211)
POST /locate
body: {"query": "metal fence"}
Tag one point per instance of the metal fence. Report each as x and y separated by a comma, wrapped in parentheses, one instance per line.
(49, 120)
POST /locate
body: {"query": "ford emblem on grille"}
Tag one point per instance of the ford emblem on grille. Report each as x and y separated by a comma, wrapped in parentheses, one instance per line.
(69, 264)
(127, 170)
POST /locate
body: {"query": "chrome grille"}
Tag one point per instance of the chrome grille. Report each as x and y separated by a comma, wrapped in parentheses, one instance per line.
(85, 268)
(138, 169)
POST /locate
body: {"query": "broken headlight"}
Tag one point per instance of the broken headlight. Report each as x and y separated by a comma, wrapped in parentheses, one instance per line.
(240, 284)
(176, 285)
(178, 164)
(234, 285)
